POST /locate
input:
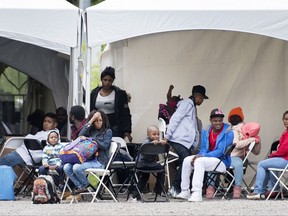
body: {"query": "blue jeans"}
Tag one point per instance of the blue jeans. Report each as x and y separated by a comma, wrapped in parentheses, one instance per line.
(237, 164)
(182, 152)
(12, 159)
(263, 174)
(76, 172)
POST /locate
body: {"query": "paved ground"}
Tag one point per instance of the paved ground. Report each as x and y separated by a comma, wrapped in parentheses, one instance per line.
(174, 207)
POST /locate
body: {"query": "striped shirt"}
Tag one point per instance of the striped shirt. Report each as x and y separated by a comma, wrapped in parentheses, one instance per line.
(51, 155)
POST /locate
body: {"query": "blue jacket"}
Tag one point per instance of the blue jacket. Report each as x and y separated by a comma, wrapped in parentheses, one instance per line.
(224, 139)
(182, 127)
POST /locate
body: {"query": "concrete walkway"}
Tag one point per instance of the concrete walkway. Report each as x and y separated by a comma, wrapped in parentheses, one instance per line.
(174, 207)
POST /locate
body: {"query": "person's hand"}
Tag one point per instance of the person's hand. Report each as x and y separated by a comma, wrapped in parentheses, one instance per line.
(83, 137)
(52, 167)
(155, 142)
(163, 142)
(257, 139)
(94, 118)
(195, 158)
(171, 87)
(129, 137)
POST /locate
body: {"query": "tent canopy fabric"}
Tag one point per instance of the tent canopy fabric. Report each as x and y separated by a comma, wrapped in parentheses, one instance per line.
(36, 38)
(236, 49)
(51, 24)
(114, 20)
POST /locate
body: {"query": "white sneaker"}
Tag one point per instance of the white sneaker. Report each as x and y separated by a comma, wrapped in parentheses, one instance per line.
(132, 200)
(172, 192)
(185, 194)
(195, 197)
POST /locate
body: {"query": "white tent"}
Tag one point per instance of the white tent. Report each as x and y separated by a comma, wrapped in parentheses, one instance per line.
(40, 38)
(236, 49)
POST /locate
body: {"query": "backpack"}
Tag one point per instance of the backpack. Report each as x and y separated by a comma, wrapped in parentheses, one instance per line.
(79, 151)
(44, 190)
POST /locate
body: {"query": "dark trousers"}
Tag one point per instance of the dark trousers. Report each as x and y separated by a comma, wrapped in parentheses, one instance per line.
(57, 178)
(182, 152)
(143, 179)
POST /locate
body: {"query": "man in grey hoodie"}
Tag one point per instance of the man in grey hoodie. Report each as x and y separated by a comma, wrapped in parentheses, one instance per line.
(183, 133)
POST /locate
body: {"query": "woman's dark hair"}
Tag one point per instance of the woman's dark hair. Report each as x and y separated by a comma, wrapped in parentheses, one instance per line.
(105, 123)
(108, 71)
(286, 112)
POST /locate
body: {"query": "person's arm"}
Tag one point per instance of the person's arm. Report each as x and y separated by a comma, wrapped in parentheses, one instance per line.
(85, 130)
(244, 143)
(282, 150)
(105, 141)
(45, 157)
(169, 93)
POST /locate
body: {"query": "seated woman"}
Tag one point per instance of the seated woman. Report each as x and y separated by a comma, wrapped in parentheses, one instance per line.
(241, 142)
(278, 159)
(97, 128)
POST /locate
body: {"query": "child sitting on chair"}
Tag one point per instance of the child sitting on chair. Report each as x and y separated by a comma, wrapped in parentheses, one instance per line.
(149, 162)
(51, 160)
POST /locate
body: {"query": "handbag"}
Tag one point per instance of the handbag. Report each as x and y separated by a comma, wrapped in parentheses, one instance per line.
(79, 150)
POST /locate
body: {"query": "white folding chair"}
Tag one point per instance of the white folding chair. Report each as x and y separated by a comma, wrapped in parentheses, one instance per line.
(103, 174)
(279, 174)
(12, 144)
(253, 164)
(172, 156)
(249, 150)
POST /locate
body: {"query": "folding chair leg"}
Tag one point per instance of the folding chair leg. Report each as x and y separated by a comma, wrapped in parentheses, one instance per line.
(275, 185)
(66, 185)
(168, 176)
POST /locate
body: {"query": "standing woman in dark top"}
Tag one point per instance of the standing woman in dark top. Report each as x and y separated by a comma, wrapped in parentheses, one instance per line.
(114, 102)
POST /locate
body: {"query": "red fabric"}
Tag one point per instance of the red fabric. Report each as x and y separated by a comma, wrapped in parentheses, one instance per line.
(213, 138)
(75, 131)
(282, 150)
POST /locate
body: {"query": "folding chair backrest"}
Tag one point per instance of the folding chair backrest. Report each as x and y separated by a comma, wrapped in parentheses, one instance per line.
(274, 146)
(122, 142)
(152, 149)
(162, 128)
(227, 152)
(32, 145)
(12, 143)
(249, 150)
(114, 148)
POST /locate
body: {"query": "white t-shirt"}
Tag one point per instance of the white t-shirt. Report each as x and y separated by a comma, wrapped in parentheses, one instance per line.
(106, 103)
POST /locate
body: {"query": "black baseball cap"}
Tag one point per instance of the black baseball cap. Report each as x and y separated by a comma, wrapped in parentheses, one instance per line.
(201, 90)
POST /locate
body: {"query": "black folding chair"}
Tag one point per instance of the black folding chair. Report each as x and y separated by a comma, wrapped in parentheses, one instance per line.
(31, 145)
(217, 179)
(153, 150)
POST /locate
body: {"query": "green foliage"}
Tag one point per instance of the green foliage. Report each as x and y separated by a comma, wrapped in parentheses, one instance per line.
(95, 76)
(13, 82)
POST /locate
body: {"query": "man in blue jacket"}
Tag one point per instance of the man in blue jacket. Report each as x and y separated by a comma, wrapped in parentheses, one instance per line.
(214, 143)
